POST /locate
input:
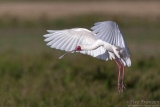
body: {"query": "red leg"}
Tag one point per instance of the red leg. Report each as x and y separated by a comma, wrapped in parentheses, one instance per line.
(123, 85)
(119, 74)
(123, 70)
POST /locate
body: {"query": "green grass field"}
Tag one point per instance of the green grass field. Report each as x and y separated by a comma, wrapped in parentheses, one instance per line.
(31, 75)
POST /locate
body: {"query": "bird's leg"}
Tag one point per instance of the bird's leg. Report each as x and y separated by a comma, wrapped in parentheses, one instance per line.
(119, 74)
(123, 70)
(123, 85)
(119, 85)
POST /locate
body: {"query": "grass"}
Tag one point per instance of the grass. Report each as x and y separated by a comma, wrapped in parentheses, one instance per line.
(31, 75)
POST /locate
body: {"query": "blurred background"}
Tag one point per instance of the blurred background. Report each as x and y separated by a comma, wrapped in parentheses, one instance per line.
(31, 75)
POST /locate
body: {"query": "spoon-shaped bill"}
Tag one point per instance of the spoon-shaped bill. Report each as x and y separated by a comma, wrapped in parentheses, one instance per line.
(66, 54)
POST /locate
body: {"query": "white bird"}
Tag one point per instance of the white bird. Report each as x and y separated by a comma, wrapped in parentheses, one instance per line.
(105, 41)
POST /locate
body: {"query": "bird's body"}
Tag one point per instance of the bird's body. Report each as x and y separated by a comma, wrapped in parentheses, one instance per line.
(104, 42)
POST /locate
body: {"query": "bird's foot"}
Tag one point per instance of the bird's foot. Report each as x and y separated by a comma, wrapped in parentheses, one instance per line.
(121, 87)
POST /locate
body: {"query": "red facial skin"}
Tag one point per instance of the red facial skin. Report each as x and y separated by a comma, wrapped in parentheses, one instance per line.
(79, 48)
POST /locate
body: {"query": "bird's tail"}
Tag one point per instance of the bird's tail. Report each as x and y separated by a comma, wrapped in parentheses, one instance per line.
(128, 61)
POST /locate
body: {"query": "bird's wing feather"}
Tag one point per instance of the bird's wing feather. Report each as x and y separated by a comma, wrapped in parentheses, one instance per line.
(69, 39)
(109, 31)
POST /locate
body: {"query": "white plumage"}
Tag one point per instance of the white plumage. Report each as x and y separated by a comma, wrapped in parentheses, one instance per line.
(105, 41)
(69, 39)
(107, 31)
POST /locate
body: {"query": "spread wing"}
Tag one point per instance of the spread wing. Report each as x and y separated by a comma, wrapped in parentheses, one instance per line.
(69, 39)
(109, 31)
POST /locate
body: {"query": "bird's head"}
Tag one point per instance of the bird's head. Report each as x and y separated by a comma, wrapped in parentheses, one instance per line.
(78, 48)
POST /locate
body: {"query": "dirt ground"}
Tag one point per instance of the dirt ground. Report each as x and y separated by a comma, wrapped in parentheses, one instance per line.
(28, 10)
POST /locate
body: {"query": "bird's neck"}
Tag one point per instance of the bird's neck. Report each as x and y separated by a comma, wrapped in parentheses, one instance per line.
(97, 44)
(107, 46)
